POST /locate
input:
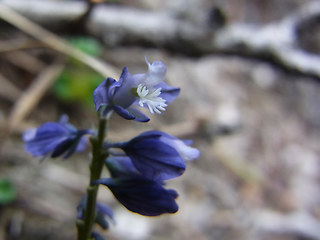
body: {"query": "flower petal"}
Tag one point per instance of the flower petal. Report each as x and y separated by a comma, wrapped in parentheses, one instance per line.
(123, 112)
(186, 152)
(168, 93)
(102, 94)
(154, 159)
(96, 236)
(102, 212)
(82, 144)
(122, 80)
(105, 210)
(121, 166)
(78, 143)
(139, 116)
(122, 95)
(141, 195)
(46, 138)
(58, 138)
(131, 114)
(156, 73)
(181, 146)
(62, 147)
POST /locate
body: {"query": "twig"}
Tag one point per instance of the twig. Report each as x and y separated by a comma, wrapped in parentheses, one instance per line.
(25, 61)
(116, 24)
(8, 90)
(19, 44)
(54, 41)
(33, 94)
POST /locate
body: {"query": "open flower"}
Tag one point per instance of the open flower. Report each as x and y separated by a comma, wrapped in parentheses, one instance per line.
(144, 89)
(141, 195)
(57, 138)
(158, 155)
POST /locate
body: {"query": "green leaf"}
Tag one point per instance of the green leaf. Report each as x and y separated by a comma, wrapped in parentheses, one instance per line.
(76, 84)
(88, 45)
(7, 191)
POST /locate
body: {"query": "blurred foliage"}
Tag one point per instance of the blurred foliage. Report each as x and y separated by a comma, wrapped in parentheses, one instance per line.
(77, 82)
(87, 45)
(7, 191)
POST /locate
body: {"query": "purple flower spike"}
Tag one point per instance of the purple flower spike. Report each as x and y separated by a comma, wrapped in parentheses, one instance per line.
(57, 138)
(141, 195)
(144, 89)
(159, 156)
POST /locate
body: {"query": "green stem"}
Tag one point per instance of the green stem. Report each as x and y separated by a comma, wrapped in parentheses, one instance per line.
(98, 155)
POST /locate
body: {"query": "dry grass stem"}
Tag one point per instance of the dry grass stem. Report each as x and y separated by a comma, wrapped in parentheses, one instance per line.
(54, 41)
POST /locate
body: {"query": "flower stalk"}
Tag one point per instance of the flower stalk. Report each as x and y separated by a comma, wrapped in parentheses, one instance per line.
(98, 155)
(138, 168)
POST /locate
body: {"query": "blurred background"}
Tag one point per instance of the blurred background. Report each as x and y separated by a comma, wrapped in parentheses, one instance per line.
(249, 73)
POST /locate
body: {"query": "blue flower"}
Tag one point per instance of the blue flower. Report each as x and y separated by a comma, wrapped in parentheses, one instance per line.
(55, 138)
(144, 89)
(103, 212)
(121, 166)
(96, 236)
(157, 155)
(141, 195)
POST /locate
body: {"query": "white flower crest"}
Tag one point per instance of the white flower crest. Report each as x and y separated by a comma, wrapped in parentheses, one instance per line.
(151, 98)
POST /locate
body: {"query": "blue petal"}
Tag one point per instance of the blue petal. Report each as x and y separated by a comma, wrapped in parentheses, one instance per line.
(173, 193)
(81, 206)
(131, 114)
(121, 166)
(122, 80)
(72, 148)
(62, 147)
(29, 134)
(105, 210)
(123, 112)
(82, 144)
(155, 134)
(103, 93)
(58, 138)
(101, 221)
(155, 159)
(142, 195)
(46, 138)
(168, 93)
(102, 211)
(186, 152)
(77, 143)
(187, 142)
(123, 90)
(96, 236)
(64, 119)
(139, 116)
